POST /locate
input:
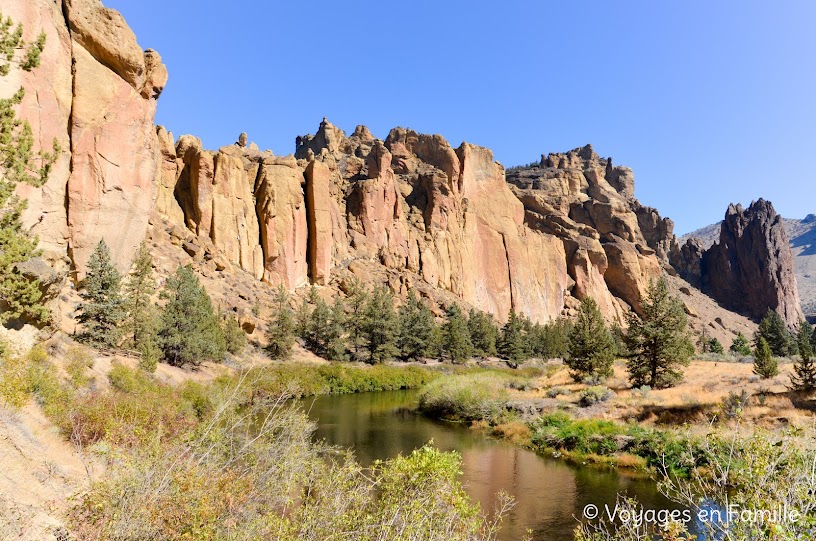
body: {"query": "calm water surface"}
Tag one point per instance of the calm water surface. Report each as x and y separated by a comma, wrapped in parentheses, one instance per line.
(549, 493)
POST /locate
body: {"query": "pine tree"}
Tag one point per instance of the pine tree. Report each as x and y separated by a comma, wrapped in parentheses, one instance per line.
(714, 346)
(280, 336)
(483, 333)
(141, 317)
(591, 349)
(774, 330)
(380, 326)
(103, 309)
(456, 337)
(765, 365)
(190, 329)
(325, 330)
(303, 316)
(551, 340)
(19, 295)
(740, 345)
(658, 341)
(335, 332)
(805, 369)
(416, 327)
(355, 319)
(512, 344)
(234, 336)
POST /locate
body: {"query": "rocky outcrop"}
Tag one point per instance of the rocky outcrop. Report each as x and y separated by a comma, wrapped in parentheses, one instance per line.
(613, 245)
(750, 269)
(95, 92)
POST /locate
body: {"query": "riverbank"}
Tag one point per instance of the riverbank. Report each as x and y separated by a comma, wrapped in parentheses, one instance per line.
(220, 441)
(615, 426)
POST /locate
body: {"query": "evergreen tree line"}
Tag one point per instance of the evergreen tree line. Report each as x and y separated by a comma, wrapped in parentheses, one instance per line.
(186, 329)
(366, 326)
(773, 339)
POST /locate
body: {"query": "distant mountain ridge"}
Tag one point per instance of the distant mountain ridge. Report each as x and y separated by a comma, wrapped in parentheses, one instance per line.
(802, 235)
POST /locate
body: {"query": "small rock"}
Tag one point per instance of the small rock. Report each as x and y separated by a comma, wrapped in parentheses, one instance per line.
(193, 250)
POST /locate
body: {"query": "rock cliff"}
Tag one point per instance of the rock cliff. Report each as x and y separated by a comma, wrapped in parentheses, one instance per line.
(95, 92)
(409, 211)
(751, 268)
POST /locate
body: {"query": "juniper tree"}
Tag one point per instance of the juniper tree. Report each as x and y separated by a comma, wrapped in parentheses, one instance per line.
(765, 365)
(455, 335)
(551, 340)
(416, 328)
(591, 348)
(804, 369)
(740, 345)
(325, 330)
(190, 330)
(658, 341)
(774, 330)
(19, 162)
(714, 346)
(140, 321)
(235, 339)
(380, 326)
(103, 309)
(356, 302)
(280, 335)
(512, 344)
(483, 333)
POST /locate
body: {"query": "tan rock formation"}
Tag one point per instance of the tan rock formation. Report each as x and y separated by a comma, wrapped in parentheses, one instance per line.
(95, 93)
(319, 214)
(613, 245)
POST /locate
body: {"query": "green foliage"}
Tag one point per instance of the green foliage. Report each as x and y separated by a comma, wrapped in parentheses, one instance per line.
(740, 345)
(355, 321)
(658, 341)
(513, 344)
(280, 336)
(714, 346)
(591, 349)
(190, 330)
(20, 296)
(804, 378)
(774, 330)
(141, 320)
(103, 309)
(734, 404)
(325, 328)
(235, 338)
(765, 365)
(551, 340)
(456, 336)
(594, 395)
(483, 333)
(380, 326)
(467, 397)
(416, 328)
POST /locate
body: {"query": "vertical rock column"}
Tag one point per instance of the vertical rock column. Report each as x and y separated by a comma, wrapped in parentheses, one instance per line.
(318, 205)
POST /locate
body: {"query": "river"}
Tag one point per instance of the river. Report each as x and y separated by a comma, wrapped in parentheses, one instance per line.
(549, 493)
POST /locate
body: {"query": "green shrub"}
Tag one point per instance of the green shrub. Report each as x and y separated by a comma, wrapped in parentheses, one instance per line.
(553, 392)
(472, 397)
(595, 395)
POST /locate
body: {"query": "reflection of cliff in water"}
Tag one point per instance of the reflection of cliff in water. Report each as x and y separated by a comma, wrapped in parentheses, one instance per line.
(549, 494)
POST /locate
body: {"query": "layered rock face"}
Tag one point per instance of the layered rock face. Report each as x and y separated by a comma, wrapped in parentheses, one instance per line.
(412, 204)
(95, 93)
(751, 270)
(613, 245)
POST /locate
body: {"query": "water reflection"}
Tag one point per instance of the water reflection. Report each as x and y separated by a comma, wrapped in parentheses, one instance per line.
(549, 493)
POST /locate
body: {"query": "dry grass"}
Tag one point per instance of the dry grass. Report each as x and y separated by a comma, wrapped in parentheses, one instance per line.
(696, 399)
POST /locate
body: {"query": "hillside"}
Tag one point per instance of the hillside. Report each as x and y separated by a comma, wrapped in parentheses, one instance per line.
(802, 236)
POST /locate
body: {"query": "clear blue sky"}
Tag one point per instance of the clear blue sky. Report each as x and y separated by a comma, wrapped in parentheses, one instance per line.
(708, 102)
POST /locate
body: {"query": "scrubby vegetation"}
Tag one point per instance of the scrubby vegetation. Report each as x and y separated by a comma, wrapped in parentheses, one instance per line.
(467, 398)
(235, 460)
